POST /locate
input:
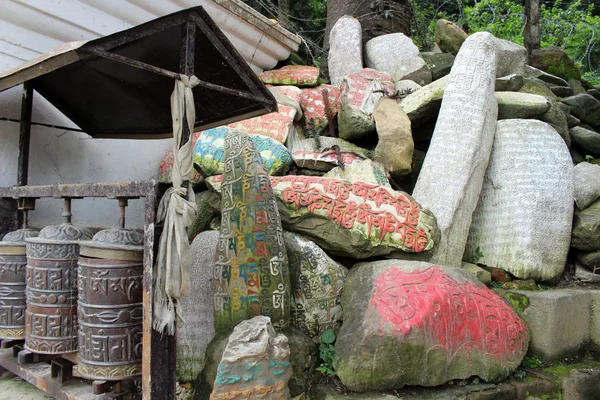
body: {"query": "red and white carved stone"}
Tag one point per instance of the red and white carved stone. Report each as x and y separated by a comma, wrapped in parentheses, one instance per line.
(316, 114)
(297, 75)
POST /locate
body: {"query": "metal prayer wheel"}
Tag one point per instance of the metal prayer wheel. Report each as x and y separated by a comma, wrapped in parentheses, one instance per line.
(12, 283)
(110, 304)
(51, 316)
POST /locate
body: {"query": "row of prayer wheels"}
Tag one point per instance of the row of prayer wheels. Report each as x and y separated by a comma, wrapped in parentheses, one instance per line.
(65, 290)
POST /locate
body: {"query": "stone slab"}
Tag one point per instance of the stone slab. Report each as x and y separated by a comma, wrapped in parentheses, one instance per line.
(586, 178)
(345, 49)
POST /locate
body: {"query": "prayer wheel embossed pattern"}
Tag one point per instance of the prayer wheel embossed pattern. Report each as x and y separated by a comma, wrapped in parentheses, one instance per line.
(51, 317)
(110, 305)
(12, 283)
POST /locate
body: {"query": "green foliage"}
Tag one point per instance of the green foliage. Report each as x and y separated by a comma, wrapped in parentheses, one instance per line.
(518, 301)
(326, 352)
(477, 255)
(532, 362)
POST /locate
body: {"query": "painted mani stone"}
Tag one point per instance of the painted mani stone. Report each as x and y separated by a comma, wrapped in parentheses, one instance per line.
(255, 364)
(251, 273)
(316, 114)
(275, 125)
(296, 75)
(325, 153)
(317, 282)
(166, 166)
(423, 324)
(209, 152)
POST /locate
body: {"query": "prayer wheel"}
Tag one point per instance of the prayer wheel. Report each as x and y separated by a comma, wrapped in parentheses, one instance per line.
(110, 305)
(12, 283)
(51, 316)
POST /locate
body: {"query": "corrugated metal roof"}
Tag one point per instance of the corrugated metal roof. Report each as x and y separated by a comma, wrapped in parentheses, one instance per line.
(29, 28)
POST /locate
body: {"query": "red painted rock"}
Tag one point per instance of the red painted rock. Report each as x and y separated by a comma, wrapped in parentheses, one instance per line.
(166, 165)
(316, 112)
(297, 75)
(415, 323)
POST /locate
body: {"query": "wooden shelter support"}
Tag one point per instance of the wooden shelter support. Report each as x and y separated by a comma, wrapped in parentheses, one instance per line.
(532, 26)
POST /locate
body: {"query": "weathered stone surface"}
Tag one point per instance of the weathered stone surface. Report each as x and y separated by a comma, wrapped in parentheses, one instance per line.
(166, 165)
(544, 76)
(586, 140)
(557, 116)
(555, 61)
(582, 384)
(316, 115)
(354, 219)
(586, 178)
(296, 75)
(395, 146)
(584, 107)
(586, 228)
(439, 63)
(406, 86)
(317, 283)
(591, 260)
(576, 86)
(365, 171)
(408, 64)
(453, 171)
(360, 93)
(481, 274)
(585, 274)
(594, 93)
(595, 322)
(255, 363)
(209, 153)
(511, 58)
(345, 49)
(552, 334)
(448, 36)
(414, 323)
(521, 105)
(197, 329)
(509, 83)
(537, 86)
(522, 223)
(209, 206)
(251, 274)
(424, 104)
(561, 91)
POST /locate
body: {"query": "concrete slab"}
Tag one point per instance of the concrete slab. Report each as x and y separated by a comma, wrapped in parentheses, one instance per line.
(14, 388)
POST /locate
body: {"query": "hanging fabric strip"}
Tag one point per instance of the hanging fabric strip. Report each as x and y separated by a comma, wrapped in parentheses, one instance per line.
(176, 211)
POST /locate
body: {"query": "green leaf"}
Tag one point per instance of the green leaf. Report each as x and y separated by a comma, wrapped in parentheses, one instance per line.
(328, 336)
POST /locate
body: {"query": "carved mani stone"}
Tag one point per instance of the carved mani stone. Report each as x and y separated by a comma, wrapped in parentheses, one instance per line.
(251, 273)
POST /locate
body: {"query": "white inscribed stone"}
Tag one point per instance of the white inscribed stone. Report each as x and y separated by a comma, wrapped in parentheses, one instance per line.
(522, 223)
(453, 170)
(345, 49)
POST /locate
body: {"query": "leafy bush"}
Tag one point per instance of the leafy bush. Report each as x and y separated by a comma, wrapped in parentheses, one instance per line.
(327, 351)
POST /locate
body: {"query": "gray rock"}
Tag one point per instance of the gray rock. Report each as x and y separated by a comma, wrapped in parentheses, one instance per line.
(406, 87)
(555, 60)
(577, 158)
(512, 105)
(345, 49)
(595, 93)
(537, 86)
(582, 384)
(414, 323)
(408, 64)
(395, 146)
(586, 178)
(453, 171)
(584, 274)
(586, 228)
(590, 260)
(561, 91)
(448, 36)
(481, 274)
(197, 329)
(544, 76)
(584, 107)
(557, 116)
(424, 104)
(522, 223)
(509, 83)
(576, 86)
(586, 140)
(571, 120)
(511, 58)
(209, 206)
(363, 170)
(595, 323)
(439, 63)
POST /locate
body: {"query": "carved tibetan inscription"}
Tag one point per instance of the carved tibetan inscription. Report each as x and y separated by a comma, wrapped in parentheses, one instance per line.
(251, 269)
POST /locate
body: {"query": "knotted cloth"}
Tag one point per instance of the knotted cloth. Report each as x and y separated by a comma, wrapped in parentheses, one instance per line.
(171, 278)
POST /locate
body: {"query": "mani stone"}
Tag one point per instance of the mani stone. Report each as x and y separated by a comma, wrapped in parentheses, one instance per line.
(354, 219)
(397, 55)
(453, 170)
(209, 153)
(296, 75)
(586, 228)
(251, 273)
(448, 36)
(360, 93)
(317, 283)
(586, 140)
(395, 146)
(423, 105)
(318, 109)
(197, 329)
(415, 323)
(522, 223)
(364, 170)
(255, 364)
(513, 105)
(586, 178)
(345, 49)
(511, 58)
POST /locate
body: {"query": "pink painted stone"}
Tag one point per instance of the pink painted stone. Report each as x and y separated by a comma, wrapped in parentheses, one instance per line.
(166, 165)
(442, 323)
(313, 105)
(297, 75)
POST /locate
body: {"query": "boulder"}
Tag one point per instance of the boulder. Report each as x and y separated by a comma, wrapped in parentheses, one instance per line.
(591, 260)
(250, 275)
(209, 206)
(586, 140)
(296, 75)
(409, 65)
(209, 152)
(360, 93)
(481, 274)
(537, 86)
(544, 76)
(577, 158)
(448, 36)
(453, 170)
(586, 178)
(197, 329)
(439, 63)
(595, 93)
(405, 87)
(363, 170)
(555, 61)
(558, 117)
(561, 91)
(522, 223)
(584, 107)
(166, 166)
(512, 105)
(423, 105)
(576, 86)
(317, 283)
(509, 83)
(586, 228)
(415, 323)
(255, 364)
(511, 58)
(395, 146)
(318, 108)
(345, 49)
